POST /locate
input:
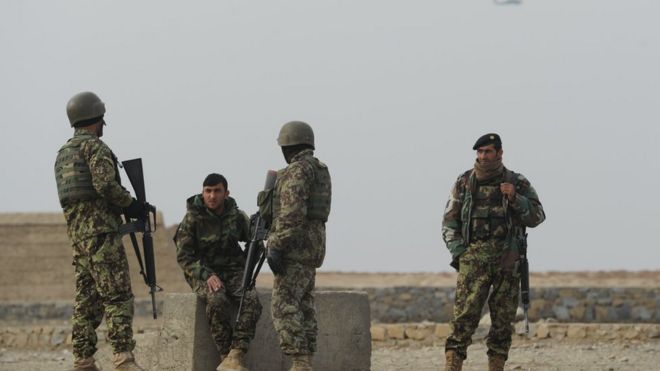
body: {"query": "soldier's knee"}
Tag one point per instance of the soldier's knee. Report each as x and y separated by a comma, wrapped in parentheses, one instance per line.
(284, 311)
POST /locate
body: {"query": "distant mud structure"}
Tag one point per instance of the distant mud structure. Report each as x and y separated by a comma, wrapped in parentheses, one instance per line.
(36, 281)
(36, 257)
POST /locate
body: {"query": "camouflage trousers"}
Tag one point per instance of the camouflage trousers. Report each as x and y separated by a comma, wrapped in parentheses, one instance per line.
(480, 269)
(293, 312)
(220, 307)
(103, 287)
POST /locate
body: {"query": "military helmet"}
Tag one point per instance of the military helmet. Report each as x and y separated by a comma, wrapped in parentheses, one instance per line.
(295, 132)
(84, 106)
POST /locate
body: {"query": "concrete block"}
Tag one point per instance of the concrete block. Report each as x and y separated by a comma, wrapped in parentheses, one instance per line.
(442, 330)
(576, 331)
(185, 341)
(378, 333)
(343, 341)
(419, 331)
(395, 331)
(634, 332)
(543, 331)
(558, 331)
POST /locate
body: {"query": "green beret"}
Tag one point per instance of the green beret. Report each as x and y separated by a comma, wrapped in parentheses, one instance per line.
(488, 139)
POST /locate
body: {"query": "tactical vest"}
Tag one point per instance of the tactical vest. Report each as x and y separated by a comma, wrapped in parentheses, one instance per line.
(73, 177)
(488, 219)
(318, 205)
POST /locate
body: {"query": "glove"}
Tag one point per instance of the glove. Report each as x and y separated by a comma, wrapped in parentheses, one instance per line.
(136, 209)
(274, 258)
(253, 222)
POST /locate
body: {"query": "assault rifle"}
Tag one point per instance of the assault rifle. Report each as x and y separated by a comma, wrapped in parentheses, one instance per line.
(523, 269)
(256, 254)
(523, 263)
(143, 224)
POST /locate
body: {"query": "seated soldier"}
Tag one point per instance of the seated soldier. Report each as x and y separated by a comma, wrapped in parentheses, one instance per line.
(213, 263)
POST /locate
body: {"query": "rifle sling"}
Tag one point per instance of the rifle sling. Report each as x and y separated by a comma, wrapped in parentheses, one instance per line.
(256, 271)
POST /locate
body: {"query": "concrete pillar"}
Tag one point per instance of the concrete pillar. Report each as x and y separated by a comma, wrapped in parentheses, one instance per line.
(344, 339)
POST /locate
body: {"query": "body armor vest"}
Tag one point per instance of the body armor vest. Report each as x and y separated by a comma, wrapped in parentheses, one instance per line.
(488, 219)
(73, 177)
(318, 205)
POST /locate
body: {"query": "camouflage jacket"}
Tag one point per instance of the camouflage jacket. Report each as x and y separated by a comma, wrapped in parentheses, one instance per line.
(103, 214)
(293, 233)
(524, 211)
(207, 243)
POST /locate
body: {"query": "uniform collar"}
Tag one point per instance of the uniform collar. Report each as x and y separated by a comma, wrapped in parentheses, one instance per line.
(197, 202)
(302, 154)
(81, 132)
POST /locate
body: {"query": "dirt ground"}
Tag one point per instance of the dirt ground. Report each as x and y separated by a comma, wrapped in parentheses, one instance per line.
(444, 279)
(539, 355)
(530, 355)
(545, 354)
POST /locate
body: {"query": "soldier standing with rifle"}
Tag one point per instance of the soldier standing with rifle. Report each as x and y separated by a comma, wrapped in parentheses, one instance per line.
(92, 198)
(484, 225)
(296, 241)
(213, 262)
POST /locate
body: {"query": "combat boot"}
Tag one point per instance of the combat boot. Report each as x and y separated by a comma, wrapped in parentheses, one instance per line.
(85, 364)
(454, 362)
(301, 362)
(234, 361)
(125, 361)
(496, 363)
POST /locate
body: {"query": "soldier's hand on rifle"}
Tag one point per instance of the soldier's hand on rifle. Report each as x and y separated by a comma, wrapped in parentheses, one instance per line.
(137, 209)
(509, 190)
(213, 283)
(274, 259)
(253, 218)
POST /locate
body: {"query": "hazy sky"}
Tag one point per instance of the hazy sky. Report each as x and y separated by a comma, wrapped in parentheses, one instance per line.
(396, 91)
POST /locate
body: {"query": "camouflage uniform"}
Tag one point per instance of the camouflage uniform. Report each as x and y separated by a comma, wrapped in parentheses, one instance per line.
(302, 198)
(208, 244)
(103, 283)
(484, 237)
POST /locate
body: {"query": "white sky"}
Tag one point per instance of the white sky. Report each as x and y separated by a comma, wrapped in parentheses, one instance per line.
(397, 93)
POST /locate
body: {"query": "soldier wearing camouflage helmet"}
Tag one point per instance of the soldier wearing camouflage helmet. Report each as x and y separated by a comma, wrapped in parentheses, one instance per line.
(296, 242)
(484, 224)
(92, 199)
(208, 251)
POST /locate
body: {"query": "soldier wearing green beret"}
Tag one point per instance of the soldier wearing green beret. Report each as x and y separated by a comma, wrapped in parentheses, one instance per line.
(488, 210)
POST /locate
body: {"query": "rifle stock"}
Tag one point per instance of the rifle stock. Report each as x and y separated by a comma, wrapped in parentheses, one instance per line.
(144, 225)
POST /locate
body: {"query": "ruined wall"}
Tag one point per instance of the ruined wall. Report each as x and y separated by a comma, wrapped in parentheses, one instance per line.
(35, 259)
